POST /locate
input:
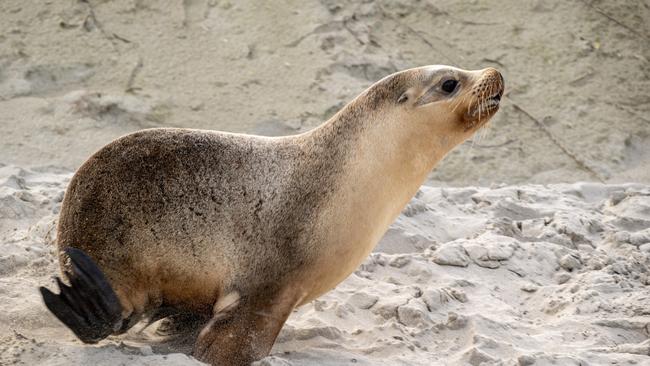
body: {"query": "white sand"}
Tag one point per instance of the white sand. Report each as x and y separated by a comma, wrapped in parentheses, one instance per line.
(517, 274)
(509, 275)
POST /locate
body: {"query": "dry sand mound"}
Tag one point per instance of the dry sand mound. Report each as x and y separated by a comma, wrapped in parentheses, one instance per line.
(511, 275)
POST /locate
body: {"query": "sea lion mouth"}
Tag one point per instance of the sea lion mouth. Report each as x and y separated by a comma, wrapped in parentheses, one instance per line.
(487, 99)
(482, 111)
(488, 103)
(494, 100)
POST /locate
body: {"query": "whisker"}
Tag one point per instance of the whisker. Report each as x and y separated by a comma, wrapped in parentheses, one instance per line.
(483, 134)
(458, 102)
(471, 103)
(484, 131)
(481, 105)
(471, 148)
(455, 104)
(487, 130)
(465, 98)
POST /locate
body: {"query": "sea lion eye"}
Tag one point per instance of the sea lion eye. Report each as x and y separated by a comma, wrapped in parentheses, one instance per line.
(449, 86)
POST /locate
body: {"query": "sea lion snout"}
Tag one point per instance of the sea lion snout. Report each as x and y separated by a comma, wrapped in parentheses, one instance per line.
(485, 97)
(489, 85)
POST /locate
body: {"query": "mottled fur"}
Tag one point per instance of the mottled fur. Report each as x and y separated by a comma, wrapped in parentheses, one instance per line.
(181, 218)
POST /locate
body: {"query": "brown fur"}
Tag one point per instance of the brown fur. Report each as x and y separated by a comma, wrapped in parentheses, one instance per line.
(181, 218)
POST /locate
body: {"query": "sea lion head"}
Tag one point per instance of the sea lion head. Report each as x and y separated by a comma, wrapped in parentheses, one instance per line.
(447, 98)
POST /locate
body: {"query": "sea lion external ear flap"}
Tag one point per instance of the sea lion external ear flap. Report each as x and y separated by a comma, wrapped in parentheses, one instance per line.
(408, 94)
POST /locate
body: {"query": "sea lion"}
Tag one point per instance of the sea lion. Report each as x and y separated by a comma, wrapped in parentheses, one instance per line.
(245, 228)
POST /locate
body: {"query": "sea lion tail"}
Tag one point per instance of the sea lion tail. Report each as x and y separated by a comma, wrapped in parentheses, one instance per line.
(89, 306)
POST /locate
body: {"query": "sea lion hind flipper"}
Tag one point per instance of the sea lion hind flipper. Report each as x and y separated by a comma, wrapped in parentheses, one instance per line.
(91, 282)
(89, 306)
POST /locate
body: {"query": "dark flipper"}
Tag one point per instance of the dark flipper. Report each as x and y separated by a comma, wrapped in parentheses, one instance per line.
(89, 306)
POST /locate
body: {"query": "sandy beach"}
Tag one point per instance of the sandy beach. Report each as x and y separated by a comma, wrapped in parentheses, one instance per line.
(528, 245)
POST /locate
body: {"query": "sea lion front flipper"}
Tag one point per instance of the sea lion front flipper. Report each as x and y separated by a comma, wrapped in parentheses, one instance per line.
(243, 330)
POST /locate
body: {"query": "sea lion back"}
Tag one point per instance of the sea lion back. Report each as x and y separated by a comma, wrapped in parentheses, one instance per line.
(156, 205)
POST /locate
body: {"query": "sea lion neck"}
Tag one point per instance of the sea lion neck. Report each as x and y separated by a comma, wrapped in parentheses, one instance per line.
(375, 141)
(381, 159)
